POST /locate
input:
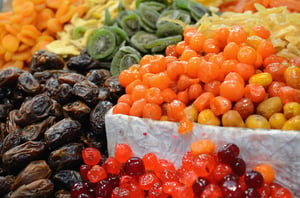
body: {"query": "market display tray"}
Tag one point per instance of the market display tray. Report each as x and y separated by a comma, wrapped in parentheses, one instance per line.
(281, 149)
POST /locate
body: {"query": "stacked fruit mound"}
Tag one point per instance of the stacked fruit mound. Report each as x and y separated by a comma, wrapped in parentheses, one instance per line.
(232, 79)
(205, 172)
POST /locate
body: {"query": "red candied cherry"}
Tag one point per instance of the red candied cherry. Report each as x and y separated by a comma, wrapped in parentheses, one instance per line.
(150, 160)
(123, 152)
(156, 191)
(228, 153)
(254, 179)
(147, 180)
(168, 175)
(91, 188)
(251, 193)
(188, 160)
(231, 188)
(220, 172)
(169, 187)
(239, 167)
(77, 189)
(112, 165)
(199, 185)
(130, 183)
(211, 190)
(265, 191)
(84, 195)
(134, 166)
(104, 189)
(277, 191)
(91, 156)
(204, 165)
(96, 173)
(188, 178)
(84, 169)
(119, 192)
(161, 165)
(183, 191)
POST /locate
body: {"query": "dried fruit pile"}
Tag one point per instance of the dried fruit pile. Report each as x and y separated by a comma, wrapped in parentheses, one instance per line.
(205, 172)
(232, 79)
(30, 26)
(47, 117)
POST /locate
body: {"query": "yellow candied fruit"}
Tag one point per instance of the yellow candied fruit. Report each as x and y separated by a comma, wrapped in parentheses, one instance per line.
(264, 79)
(292, 124)
(208, 117)
(277, 120)
(256, 121)
(291, 109)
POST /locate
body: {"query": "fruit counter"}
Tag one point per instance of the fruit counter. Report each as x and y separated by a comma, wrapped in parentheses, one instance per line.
(149, 99)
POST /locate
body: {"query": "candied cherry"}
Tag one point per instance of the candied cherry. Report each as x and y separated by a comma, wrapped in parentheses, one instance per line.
(91, 156)
(239, 166)
(104, 189)
(123, 152)
(168, 175)
(134, 166)
(77, 189)
(96, 173)
(220, 172)
(254, 179)
(211, 190)
(112, 165)
(147, 180)
(188, 160)
(156, 191)
(84, 169)
(150, 160)
(204, 165)
(251, 193)
(230, 188)
(199, 185)
(228, 153)
(119, 192)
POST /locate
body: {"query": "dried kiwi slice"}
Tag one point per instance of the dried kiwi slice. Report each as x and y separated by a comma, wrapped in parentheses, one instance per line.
(160, 44)
(130, 23)
(78, 32)
(118, 63)
(169, 29)
(101, 44)
(183, 4)
(139, 39)
(154, 5)
(138, 2)
(181, 15)
(197, 10)
(121, 34)
(148, 16)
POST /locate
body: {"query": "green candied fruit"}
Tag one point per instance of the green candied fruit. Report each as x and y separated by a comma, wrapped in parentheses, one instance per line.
(78, 32)
(101, 43)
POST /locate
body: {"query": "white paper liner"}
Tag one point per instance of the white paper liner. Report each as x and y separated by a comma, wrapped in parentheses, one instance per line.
(280, 149)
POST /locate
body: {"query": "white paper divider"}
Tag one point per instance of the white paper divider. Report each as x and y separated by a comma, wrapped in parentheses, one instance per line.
(280, 149)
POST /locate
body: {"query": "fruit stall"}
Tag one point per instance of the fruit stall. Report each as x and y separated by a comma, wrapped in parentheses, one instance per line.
(154, 99)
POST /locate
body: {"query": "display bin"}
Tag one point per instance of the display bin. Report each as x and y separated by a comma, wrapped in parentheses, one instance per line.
(281, 149)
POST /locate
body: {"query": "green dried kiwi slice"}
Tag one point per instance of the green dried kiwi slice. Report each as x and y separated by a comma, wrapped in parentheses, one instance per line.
(181, 15)
(148, 16)
(116, 67)
(120, 33)
(127, 60)
(78, 32)
(183, 4)
(120, 16)
(153, 5)
(160, 44)
(168, 29)
(197, 10)
(138, 2)
(139, 39)
(107, 18)
(131, 23)
(101, 44)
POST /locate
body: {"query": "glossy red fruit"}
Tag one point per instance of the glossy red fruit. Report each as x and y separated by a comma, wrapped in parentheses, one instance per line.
(156, 191)
(123, 152)
(91, 156)
(147, 180)
(120, 192)
(84, 169)
(112, 165)
(134, 166)
(210, 191)
(150, 160)
(162, 165)
(188, 160)
(220, 172)
(204, 165)
(96, 173)
(254, 179)
(199, 185)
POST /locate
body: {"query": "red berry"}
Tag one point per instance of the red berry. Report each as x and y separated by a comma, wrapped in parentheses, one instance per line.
(120, 192)
(220, 172)
(150, 161)
(134, 166)
(112, 165)
(204, 164)
(199, 185)
(211, 190)
(91, 156)
(123, 152)
(162, 165)
(156, 191)
(147, 180)
(96, 173)
(254, 179)
(84, 169)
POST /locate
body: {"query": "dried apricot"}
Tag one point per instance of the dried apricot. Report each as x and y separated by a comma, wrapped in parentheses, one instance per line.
(232, 118)
(256, 121)
(269, 106)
